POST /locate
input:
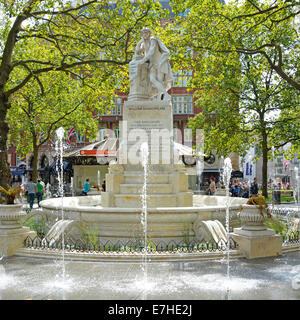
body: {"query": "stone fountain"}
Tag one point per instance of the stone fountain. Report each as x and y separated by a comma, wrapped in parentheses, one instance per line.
(173, 213)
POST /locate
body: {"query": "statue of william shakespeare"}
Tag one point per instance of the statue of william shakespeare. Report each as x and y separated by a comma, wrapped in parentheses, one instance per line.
(150, 71)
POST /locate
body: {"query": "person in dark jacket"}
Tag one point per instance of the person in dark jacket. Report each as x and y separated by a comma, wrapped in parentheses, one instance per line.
(104, 185)
(254, 188)
(236, 188)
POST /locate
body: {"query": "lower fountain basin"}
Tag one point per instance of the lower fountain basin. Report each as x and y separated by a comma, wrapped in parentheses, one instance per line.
(124, 224)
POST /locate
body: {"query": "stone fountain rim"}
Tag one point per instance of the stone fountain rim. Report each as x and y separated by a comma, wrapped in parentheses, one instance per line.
(99, 209)
(14, 205)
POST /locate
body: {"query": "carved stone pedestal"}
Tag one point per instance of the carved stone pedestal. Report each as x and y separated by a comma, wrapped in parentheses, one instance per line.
(148, 122)
(12, 234)
(255, 240)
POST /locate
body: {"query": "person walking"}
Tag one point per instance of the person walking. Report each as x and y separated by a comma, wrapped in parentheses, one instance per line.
(103, 185)
(31, 189)
(86, 188)
(40, 191)
(212, 186)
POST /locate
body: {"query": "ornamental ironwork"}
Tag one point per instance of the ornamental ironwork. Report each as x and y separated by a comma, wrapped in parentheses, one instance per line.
(130, 246)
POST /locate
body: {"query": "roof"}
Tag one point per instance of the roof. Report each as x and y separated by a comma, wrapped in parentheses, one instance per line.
(106, 144)
(112, 144)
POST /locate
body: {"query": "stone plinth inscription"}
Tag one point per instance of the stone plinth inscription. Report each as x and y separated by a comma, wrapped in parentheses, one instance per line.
(151, 122)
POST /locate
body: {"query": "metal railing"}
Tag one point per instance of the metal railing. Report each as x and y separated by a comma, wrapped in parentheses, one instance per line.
(131, 246)
(285, 212)
(291, 237)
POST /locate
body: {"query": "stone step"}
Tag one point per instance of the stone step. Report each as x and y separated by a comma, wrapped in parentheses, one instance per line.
(151, 188)
(151, 178)
(153, 200)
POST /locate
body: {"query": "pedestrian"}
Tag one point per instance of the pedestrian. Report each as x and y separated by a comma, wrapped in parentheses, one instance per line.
(254, 188)
(212, 186)
(104, 185)
(236, 188)
(42, 182)
(245, 188)
(86, 188)
(31, 189)
(40, 191)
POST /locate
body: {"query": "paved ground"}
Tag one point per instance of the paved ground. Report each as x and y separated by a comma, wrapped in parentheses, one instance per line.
(38, 279)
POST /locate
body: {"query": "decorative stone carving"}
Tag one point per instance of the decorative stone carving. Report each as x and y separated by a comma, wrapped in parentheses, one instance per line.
(252, 218)
(70, 228)
(255, 240)
(150, 71)
(12, 234)
(209, 230)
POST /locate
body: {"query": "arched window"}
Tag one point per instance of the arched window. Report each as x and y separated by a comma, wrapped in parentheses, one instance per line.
(44, 162)
(101, 133)
(188, 136)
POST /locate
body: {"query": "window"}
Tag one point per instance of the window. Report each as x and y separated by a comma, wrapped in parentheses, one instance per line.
(116, 109)
(188, 136)
(80, 138)
(182, 104)
(101, 133)
(181, 78)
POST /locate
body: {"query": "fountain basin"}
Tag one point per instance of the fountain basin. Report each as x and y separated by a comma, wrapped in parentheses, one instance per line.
(123, 224)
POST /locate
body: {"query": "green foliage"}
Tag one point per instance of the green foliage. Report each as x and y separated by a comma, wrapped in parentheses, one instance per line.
(43, 44)
(278, 226)
(90, 234)
(244, 57)
(36, 223)
(10, 194)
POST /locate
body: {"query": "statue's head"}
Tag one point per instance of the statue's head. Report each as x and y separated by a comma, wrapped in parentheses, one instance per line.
(146, 32)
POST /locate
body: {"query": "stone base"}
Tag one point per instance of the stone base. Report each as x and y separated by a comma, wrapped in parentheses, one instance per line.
(12, 239)
(254, 233)
(264, 244)
(167, 186)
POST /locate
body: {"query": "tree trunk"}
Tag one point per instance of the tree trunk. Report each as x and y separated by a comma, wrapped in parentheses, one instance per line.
(5, 175)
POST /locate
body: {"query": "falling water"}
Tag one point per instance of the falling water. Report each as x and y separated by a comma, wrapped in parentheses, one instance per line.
(296, 188)
(144, 160)
(227, 169)
(48, 192)
(60, 175)
(99, 180)
(296, 194)
(273, 151)
(297, 191)
(72, 187)
(199, 170)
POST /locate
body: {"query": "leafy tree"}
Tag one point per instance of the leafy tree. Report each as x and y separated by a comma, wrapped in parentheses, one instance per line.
(246, 104)
(244, 56)
(35, 116)
(250, 27)
(83, 38)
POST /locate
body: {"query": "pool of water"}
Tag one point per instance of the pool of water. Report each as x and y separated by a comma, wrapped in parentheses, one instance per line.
(41, 279)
